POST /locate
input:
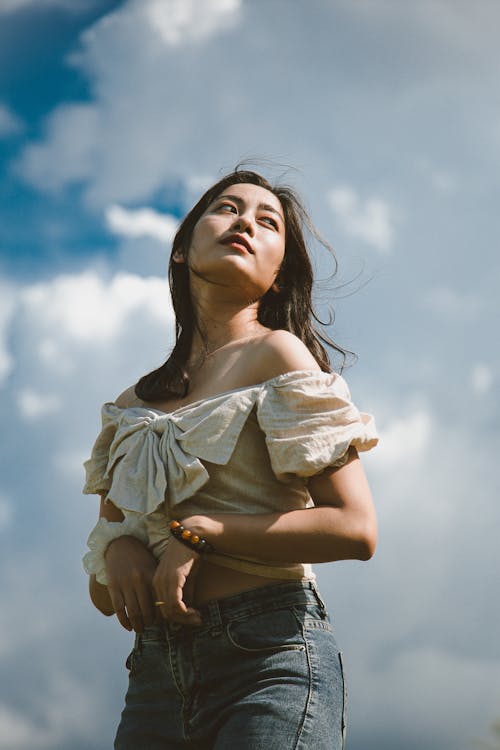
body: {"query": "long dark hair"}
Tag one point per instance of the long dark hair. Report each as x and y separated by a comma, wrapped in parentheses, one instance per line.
(287, 305)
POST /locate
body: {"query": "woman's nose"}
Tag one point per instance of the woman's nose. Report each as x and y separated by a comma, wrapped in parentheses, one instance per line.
(244, 223)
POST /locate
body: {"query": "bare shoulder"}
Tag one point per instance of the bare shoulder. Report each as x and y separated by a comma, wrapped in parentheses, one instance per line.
(282, 351)
(128, 398)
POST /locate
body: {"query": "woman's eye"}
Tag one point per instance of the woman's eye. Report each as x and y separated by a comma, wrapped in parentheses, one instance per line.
(269, 220)
(228, 207)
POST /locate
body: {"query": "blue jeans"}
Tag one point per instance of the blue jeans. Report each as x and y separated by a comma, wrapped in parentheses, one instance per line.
(262, 672)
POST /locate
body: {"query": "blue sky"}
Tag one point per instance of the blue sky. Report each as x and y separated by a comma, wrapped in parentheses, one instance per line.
(114, 116)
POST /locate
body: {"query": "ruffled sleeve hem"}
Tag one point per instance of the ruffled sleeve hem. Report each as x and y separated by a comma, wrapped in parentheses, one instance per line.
(96, 487)
(97, 480)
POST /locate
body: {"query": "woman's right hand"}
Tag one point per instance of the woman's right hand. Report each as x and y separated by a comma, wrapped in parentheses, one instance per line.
(130, 567)
(174, 583)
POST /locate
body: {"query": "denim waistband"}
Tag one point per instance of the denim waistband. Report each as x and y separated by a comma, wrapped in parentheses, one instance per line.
(263, 599)
(219, 612)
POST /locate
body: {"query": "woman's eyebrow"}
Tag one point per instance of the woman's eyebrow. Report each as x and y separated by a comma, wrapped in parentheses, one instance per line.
(239, 201)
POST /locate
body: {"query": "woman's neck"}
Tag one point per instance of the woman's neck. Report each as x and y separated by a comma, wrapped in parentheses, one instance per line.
(222, 327)
(223, 316)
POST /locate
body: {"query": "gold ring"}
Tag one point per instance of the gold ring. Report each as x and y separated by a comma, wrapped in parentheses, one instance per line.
(159, 604)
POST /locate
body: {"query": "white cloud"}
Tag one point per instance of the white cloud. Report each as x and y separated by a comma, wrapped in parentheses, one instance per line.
(371, 221)
(67, 708)
(6, 512)
(7, 306)
(198, 184)
(69, 463)
(10, 124)
(141, 222)
(450, 303)
(444, 182)
(403, 441)
(450, 25)
(86, 322)
(33, 405)
(69, 152)
(179, 21)
(17, 732)
(85, 307)
(52, 355)
(482, 378)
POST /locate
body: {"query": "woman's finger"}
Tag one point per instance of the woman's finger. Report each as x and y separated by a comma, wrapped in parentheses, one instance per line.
(173, 608)
(134, 612)
(180, 608)
(146, 606)
(118, 603)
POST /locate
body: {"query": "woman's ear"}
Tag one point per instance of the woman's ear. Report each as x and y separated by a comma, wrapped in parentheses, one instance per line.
(277, 285)
(179, 256)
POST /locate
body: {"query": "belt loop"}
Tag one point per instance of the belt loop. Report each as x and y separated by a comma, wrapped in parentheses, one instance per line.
(214, 618)
(320, 601)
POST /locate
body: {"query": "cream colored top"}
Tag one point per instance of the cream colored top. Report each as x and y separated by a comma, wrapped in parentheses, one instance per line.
(248, 450)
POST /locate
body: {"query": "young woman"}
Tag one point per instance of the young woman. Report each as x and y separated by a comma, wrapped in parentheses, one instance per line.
(223, 475)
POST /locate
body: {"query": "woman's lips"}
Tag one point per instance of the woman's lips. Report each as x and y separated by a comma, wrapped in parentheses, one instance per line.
(238, 242)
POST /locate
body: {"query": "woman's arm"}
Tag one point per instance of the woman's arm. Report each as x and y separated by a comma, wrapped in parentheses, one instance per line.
(341, 526)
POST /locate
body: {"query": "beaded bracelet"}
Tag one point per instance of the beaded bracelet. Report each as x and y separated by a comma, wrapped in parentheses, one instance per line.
(189, 539)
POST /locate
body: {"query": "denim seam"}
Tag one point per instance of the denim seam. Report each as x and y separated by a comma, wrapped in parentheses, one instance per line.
(309, 716)
(262, 649)
(263, 608)
(310, 624)
(185, 709)
(310, 688)
(175, 671)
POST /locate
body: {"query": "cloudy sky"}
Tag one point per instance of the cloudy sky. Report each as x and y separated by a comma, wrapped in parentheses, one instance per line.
(385, 115)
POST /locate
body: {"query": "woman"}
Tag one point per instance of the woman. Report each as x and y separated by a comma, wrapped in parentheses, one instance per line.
(223, 475)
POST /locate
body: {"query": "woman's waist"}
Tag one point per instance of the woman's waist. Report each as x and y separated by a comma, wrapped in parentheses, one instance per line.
(217, 582)
(223, 608)
(235, 571)
(274, 595)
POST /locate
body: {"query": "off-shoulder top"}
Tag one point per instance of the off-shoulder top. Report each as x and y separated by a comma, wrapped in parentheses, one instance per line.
(248, 450)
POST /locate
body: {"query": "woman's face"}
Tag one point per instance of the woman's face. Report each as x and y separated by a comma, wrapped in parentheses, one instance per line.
(239, 242)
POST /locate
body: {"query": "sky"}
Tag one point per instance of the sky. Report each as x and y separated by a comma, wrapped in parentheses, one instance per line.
(385, 116)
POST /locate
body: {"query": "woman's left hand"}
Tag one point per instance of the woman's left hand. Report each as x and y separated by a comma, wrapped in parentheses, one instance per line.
(173, 583)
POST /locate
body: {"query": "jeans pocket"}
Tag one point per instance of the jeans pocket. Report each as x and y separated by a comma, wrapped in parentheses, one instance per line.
(266, 632)
(147, 647)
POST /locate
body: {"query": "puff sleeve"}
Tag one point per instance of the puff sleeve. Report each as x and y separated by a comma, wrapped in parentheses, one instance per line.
(309, 423)
(97, 479)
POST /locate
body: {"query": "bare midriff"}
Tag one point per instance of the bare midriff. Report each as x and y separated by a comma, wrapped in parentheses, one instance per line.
(215, 582)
